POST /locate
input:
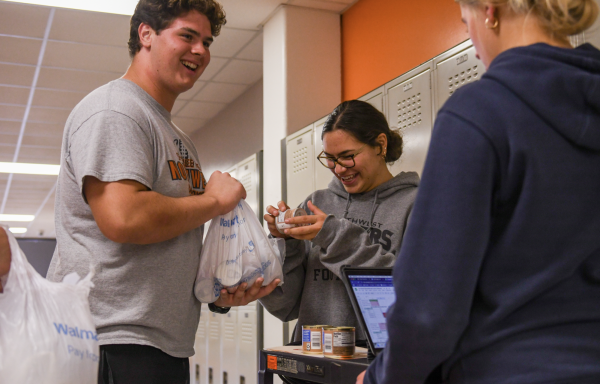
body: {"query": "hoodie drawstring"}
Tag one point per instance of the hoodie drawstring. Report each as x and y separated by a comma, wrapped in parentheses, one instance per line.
(347, 206)
(373, 208)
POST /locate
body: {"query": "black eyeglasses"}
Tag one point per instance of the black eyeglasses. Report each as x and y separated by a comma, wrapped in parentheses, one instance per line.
(346, 161)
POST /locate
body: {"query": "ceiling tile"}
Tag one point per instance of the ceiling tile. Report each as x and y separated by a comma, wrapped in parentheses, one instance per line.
(39, 183)
(14, 95)
(213, 68)
(90, 27)
(72, 80)
(241, 72)
(189, 126)
(190, 94)
(254, 50)
(60, 99)
(42, 141)
(23, 20)
(12, 74)
(230, 41)
(334, 6)
(10, 127)
(6, 156)
(19, 50)
(249, 14)
(220, 92)
(49, 115)
(8, 142)
(90, 57)
(39, 155)
(12, 112)
(42, 129)
(201, 110)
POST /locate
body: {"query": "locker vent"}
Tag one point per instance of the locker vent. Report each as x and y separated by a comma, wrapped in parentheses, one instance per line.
(409, 111)
(201, 332)
(247, 182)
(229, 331)
(463, 77)
(214, 330)
(247, 333)
(300, 159)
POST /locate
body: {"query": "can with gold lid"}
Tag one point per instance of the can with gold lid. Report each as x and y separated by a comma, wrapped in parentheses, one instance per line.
(280, 220)
(312, 338)
(339, 342)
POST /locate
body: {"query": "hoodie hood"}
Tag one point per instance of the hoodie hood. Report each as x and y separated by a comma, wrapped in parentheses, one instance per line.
(570, 78)
(400, 181)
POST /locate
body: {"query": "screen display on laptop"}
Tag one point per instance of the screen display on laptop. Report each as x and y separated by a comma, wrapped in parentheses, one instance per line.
(374, 295)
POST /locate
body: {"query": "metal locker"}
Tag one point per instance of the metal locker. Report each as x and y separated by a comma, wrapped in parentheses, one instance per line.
(410, 111)
(214, 348)
(455, 68)
(300, 163)
(247, 344)
(322, 175)
(229, 356)
(376, 98)
(233, 171)
(199, 362)
(247, 174)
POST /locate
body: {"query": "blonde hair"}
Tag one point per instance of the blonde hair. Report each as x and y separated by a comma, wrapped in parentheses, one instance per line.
(560, 17)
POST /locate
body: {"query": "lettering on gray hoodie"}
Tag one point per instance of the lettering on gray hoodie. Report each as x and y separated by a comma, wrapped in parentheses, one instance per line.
(363, 230)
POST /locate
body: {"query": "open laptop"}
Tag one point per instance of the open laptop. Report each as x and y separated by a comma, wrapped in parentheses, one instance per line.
(371, 292)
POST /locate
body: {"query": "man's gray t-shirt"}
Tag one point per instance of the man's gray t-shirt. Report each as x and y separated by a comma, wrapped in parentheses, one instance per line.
(143, 294)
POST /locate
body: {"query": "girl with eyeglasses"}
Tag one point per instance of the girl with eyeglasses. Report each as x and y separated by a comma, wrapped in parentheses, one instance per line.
(359, 220)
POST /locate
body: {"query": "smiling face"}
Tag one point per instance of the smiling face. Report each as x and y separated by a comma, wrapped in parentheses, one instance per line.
(483, 38)
(370, 169)
(180, 53)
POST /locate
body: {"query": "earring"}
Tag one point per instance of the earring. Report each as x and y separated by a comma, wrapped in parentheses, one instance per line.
(487, 24)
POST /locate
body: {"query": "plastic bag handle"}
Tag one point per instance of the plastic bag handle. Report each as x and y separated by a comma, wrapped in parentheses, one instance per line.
(21, 273)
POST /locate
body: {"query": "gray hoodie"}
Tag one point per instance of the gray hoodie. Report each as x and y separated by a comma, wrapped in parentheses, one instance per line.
(363, 229)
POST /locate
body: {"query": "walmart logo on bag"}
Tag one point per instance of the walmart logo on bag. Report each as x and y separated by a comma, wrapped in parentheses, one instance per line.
(230, 223)
(75, 332)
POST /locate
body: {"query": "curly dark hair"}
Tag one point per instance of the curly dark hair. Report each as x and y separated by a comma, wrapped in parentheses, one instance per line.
(159, 14)
(365, 123)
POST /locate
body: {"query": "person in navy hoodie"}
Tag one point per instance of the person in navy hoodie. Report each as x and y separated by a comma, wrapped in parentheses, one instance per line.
(498, 278)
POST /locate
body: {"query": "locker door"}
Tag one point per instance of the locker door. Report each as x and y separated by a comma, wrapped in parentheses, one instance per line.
(247, 344)
(455, 68)
(199, 362)
(376, 99)
(300, 161)
(247, 174)
(214, 348)
(322, 175)
(233, 171)
(229, 336)
(410, 111)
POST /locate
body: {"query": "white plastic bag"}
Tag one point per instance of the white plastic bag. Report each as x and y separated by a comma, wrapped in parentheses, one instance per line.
(236, 250)
(47, 334)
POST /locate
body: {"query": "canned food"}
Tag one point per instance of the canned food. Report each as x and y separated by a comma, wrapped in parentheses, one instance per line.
(338, 342)
(280, 220)
(312, 338)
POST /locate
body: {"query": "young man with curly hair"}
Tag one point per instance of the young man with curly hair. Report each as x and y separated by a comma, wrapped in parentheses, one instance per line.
(132, 199)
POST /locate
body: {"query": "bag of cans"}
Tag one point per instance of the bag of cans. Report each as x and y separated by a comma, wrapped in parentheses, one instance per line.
(236, 250)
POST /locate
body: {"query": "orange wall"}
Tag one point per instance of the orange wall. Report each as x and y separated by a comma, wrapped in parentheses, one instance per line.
(382, 39)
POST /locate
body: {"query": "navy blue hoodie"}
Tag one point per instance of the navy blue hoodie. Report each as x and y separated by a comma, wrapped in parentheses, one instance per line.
(498, 279)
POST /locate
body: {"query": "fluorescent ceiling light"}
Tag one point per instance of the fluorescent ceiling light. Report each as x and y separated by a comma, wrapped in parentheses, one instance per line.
(122, 7)
(30, 169)
(17, 217)
(17, 229)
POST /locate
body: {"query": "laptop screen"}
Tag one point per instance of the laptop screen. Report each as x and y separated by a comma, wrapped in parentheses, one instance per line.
(374, 295)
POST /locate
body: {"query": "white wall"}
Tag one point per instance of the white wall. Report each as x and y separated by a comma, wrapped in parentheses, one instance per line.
(234, 134)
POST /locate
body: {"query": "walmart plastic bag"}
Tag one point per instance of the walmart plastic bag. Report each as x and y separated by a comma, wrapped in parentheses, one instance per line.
(47, 334)
(236, 250)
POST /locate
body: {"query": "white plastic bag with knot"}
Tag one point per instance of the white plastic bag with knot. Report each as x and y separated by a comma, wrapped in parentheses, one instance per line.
(236, 250)
(47, 334)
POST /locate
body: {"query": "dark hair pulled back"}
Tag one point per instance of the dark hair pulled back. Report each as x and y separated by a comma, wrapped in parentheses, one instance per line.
(365, 123)
(159, 14)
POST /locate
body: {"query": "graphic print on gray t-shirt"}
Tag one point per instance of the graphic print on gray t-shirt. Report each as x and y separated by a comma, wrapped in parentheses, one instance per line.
(143, 294)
